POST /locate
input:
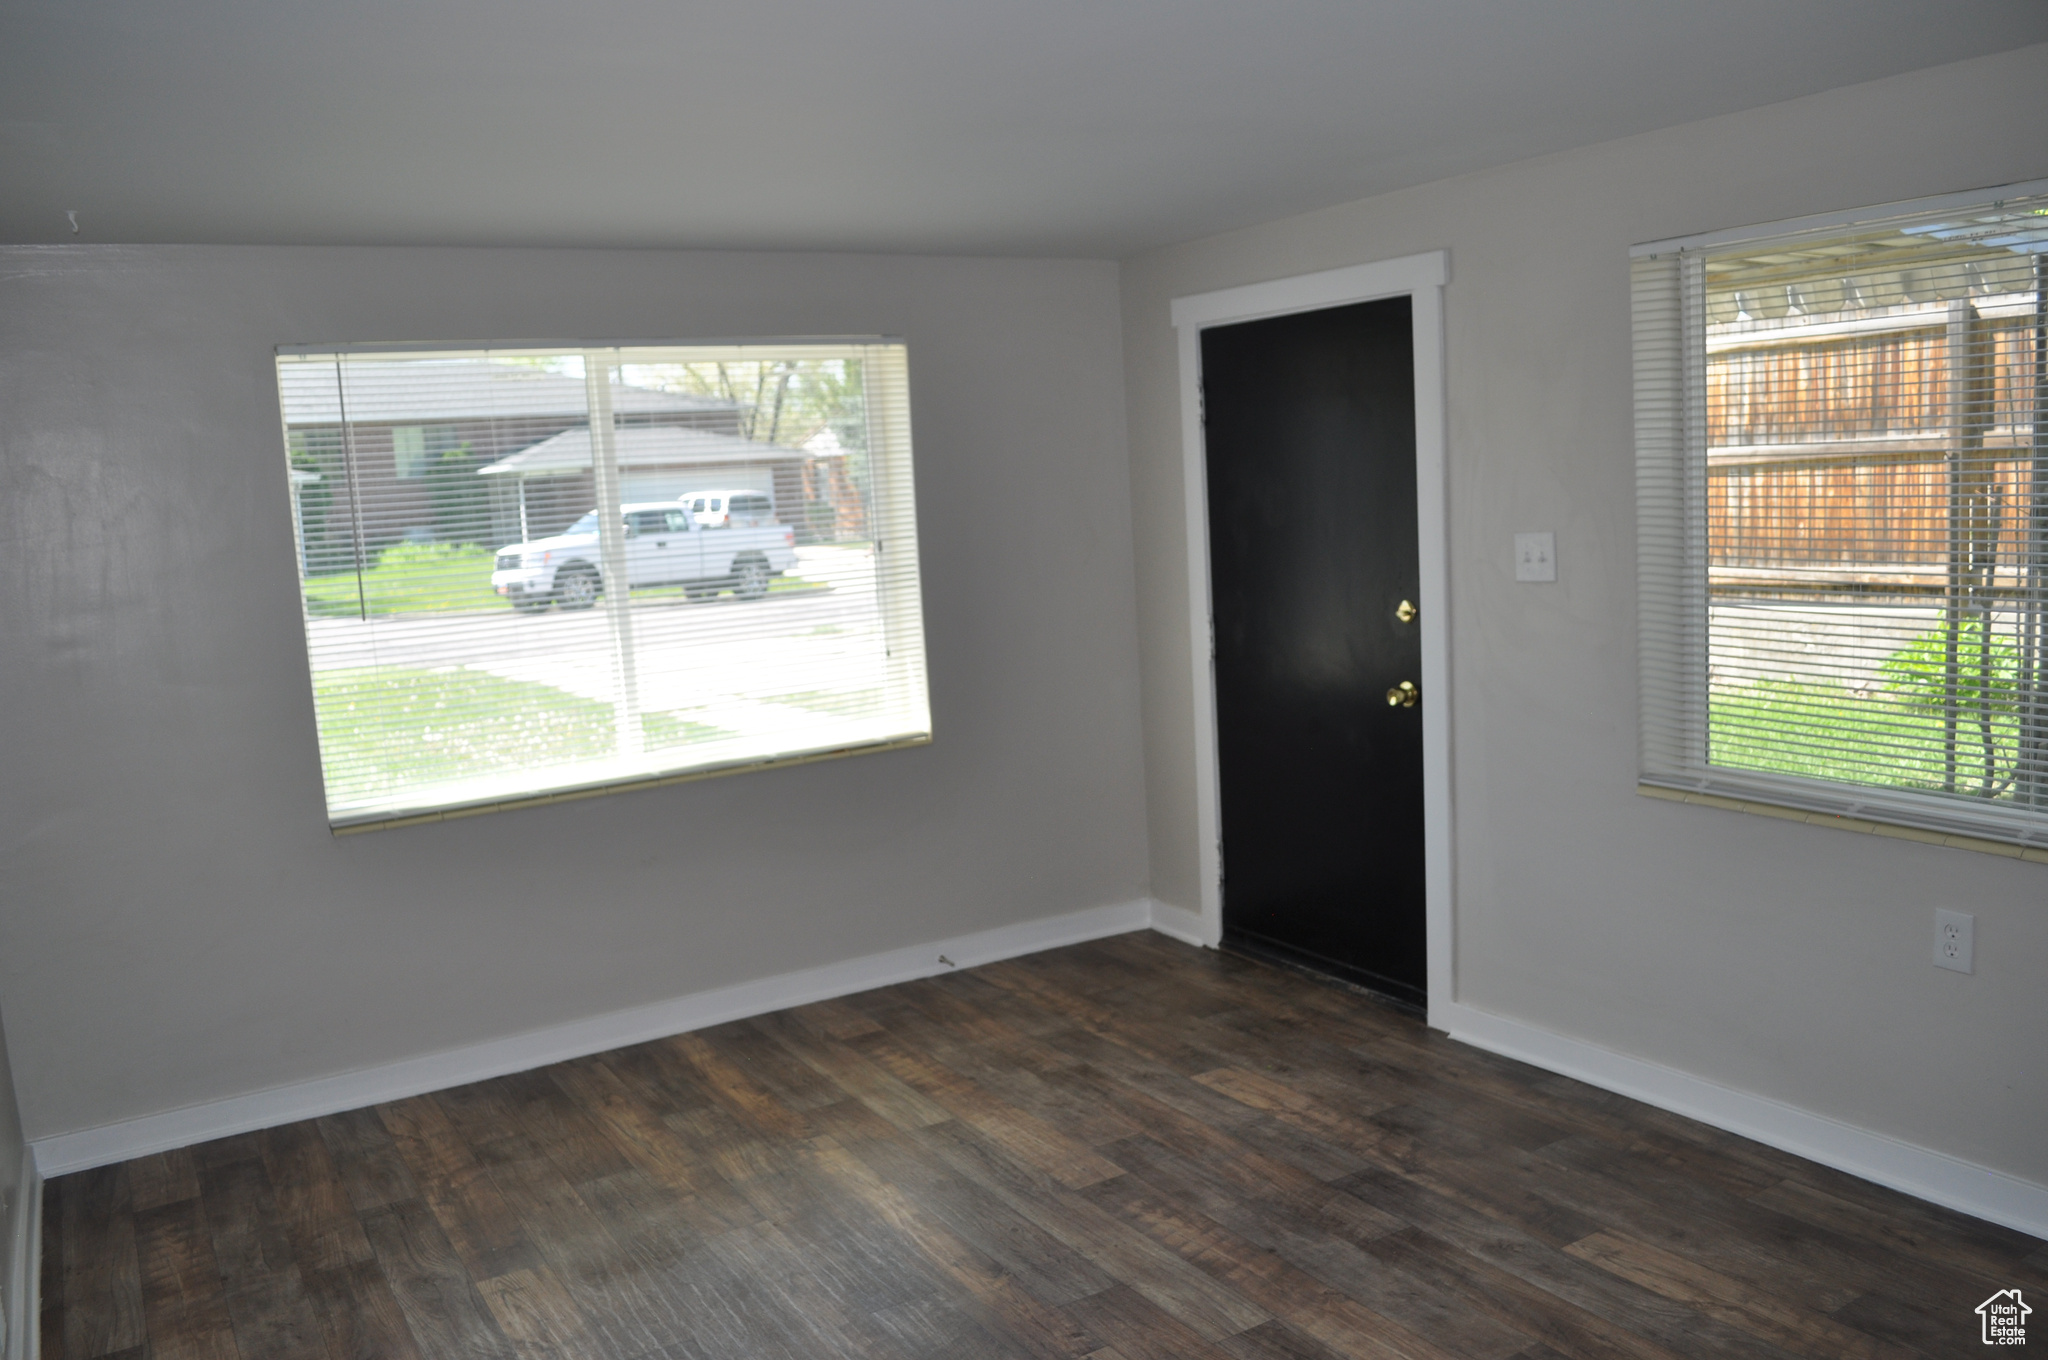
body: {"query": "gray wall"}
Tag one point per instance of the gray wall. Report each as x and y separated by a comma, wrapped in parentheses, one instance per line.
(1781, 959)
(178, 923)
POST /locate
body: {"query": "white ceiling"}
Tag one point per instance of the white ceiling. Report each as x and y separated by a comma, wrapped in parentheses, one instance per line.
(1090, 127)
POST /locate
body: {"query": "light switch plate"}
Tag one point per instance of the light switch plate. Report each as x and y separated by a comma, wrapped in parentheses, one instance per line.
(1955, 940)
(1536, 557)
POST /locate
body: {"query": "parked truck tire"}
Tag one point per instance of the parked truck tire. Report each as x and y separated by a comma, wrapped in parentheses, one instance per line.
(750, 577)
(577, 588)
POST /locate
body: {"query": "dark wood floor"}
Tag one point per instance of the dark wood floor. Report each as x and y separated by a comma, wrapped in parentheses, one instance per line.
(1123, 1150)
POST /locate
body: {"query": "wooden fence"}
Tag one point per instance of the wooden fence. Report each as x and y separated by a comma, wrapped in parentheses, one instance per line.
(1885, 458)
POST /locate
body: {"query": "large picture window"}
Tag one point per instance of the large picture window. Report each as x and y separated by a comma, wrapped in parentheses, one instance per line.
(534, 573)
(1842, 485)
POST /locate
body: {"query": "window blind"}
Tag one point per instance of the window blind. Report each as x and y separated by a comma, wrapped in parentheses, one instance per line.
(529, 573)
(1842, 491)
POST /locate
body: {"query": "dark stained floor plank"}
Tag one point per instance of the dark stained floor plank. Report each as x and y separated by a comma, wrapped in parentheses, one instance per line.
(367, 1160)
(1128, 1255)
(1914, 1229)
(1288, 1293)
(732, 1086)
(484, 1230)
(1303, 1237)
(440, 1302)
(654, 1147)
(583, 1254)
(557, 1122)
(163, 1178)
(484, 1116)
(1511, 1301)
(1181, 1113)
(826, 1302)
(1132, 1326)
(1274, 1341)
(929, 1330)
(1020, 1133)
(1042, 1263)
(1902, 1322)
(100, 1264)
(359, 1314)
(1037, 1327)
(768, 1173)
(310, 1199)
(1762, 1315)
(253, 1250)
(1123, 1150)
(218, 1152)
(1006, 1063)
(185, 1313)
(1518, 1256)
(537, 1315)
(847, 1068)
(1767, 1249)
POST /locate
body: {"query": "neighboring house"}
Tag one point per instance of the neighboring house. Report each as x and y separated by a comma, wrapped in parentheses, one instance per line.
(834, 508)
(302, 480)
(422, 430)
(550, 483)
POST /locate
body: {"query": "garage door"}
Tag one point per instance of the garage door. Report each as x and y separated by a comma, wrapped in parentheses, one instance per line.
(666, 484)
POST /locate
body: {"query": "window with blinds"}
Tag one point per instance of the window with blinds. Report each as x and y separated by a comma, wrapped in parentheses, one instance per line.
(1842, 485)
(536, 573)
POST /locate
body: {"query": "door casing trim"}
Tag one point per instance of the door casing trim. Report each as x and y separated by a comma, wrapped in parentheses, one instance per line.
(1422, 279)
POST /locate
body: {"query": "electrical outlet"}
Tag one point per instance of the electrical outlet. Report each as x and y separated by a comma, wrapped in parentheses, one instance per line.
(1955, 940)
(1536, 557)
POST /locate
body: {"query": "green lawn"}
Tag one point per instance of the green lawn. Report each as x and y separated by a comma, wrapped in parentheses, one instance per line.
(423, 578)
(409, 578)
(840, 704)
(1824, 732)
(388, 729)
(663, 730)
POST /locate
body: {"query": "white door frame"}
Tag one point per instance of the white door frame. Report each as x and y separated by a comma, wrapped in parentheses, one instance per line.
(1421, 278)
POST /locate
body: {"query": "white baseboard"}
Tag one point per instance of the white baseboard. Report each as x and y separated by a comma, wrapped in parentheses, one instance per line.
(25, 1263)
(109, 1143)
(1921, 1172)
(1181, 924)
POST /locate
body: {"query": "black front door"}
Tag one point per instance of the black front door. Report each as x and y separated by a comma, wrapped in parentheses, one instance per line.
(1310, 431)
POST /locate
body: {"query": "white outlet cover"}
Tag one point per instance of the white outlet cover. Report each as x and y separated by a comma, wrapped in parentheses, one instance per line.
(1536, 557)
(1955, 940)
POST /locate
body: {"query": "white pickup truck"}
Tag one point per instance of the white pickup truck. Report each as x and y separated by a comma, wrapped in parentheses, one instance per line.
(664, 546)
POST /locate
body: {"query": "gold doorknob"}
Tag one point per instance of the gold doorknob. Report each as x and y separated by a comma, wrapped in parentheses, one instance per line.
(1403, 695)
(1407, 612)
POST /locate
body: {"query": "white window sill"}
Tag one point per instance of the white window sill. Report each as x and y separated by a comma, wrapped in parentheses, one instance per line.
(1866, 827)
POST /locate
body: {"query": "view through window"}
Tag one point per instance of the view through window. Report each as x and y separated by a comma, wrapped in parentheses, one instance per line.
(1845, 515)
(535, 572)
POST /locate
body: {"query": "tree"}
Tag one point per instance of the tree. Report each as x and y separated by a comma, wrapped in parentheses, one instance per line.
(780, 401)
(1962, 669)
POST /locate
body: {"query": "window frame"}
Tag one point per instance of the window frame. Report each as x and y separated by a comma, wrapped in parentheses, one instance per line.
(890, 517)
(1669, 351)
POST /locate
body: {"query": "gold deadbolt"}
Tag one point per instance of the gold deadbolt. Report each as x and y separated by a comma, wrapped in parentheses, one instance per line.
(1407, 612)
(1403, 695)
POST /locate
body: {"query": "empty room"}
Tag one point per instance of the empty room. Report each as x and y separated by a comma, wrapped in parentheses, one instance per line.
(1037, 682)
